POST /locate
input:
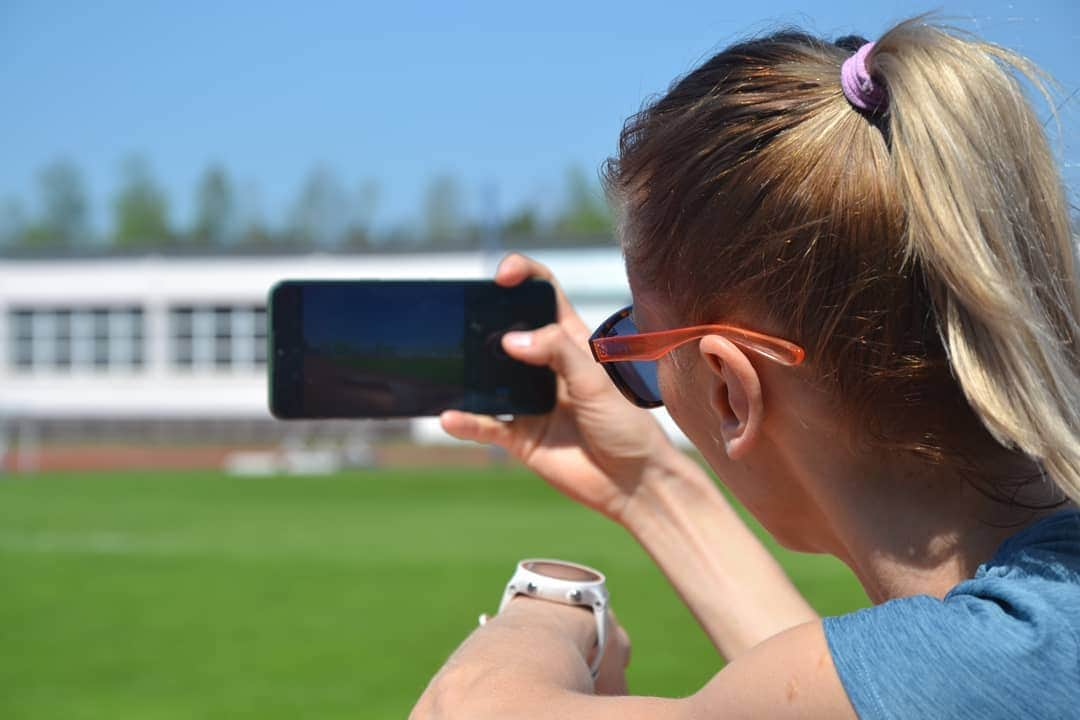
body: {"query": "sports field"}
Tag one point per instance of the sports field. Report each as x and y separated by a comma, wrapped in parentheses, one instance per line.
(197, 595)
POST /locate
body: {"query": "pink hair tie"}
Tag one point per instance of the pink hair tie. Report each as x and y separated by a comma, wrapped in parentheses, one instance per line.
(859, 88)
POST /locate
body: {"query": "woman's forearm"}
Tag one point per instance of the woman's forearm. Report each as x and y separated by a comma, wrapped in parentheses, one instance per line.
(729, 580)
(530, 651)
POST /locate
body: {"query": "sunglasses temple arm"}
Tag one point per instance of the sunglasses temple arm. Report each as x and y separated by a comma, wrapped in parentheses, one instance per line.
(651, 346)
(781, 351)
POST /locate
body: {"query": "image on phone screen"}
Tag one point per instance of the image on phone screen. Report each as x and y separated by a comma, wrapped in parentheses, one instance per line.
(352, 349)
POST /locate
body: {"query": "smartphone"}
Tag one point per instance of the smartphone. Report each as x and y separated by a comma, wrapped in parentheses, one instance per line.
(404, 348)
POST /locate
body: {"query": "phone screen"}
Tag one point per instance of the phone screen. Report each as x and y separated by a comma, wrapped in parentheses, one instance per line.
(352, 349)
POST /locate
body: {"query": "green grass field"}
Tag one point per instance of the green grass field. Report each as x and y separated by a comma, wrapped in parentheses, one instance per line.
(197, 595)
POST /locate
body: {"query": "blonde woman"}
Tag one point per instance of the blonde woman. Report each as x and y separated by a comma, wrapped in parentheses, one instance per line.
(855, 290)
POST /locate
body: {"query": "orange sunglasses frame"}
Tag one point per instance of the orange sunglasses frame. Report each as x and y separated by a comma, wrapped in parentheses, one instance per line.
(654, 345)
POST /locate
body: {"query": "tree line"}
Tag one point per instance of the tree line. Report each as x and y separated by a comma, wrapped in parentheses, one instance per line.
(326, 214)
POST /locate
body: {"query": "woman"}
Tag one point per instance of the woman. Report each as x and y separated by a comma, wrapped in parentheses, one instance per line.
(893, 210)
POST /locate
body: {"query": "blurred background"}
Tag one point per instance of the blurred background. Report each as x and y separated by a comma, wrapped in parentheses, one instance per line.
(167, 549)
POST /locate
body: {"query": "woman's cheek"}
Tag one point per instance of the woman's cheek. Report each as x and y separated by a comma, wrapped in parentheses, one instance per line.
(679, 392)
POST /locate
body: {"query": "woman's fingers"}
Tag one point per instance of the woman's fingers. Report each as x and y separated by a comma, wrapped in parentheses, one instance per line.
(478, 428)
(516, 269)
(552, 346)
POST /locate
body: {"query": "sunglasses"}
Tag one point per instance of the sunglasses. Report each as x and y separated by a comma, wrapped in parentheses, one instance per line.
(630, 357)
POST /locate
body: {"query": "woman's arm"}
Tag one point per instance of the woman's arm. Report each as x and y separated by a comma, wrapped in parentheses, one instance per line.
(543, 646)
(531, 661)
(532, 643)
(528, 663)
(737, 591)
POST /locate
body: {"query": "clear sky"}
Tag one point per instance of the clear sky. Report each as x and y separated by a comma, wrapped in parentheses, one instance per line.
(499, 94)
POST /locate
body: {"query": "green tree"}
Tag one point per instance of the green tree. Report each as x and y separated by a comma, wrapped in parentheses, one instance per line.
(586, 214)
(524, 223)
(63, 222)
(214, 209)
(320, 215)
(444, 222)
(256, 236)
(399, 238)
(12, 222)
(359, 235)
(140, 209)
(252, 231)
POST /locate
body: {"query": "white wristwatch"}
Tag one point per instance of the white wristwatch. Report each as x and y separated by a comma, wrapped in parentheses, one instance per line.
(562, 582)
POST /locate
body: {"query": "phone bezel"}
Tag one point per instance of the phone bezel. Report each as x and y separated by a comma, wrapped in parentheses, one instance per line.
(283, 359)
(285, 354)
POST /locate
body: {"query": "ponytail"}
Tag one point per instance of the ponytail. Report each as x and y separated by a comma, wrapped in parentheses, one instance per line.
(987, 221)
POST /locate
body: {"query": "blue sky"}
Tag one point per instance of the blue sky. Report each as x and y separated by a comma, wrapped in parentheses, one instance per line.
(503, 95)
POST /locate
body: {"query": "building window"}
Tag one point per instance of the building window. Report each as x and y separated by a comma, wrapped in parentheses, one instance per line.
(66, 339)
(225, 337)
(21, 339)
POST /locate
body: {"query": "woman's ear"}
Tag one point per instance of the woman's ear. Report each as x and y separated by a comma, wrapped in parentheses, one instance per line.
(734, 393)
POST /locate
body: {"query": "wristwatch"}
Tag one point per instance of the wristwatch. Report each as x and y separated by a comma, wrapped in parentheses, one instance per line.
(562, 582)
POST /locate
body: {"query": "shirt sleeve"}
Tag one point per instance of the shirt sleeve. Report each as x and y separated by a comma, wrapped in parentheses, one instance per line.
(990, 651)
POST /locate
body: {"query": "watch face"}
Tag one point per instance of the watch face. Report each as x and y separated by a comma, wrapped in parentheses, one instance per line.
(560, 571)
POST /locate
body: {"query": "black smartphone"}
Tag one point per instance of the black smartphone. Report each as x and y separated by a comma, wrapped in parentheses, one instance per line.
(404, 348)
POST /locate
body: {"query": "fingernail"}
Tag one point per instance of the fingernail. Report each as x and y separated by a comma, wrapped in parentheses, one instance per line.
(519, 339)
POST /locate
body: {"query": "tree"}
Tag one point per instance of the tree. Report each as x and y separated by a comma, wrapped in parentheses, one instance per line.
(398, 238)
(256, 236)
(321, 213)
(252, 231)
(586, 214)
(525, 223)
(214, 209)
(12, 222)
(443, 217)
(62, 223)
(141, 211)
(359, 235)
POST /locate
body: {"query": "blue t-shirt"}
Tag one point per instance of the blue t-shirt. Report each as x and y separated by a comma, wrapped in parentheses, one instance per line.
(1004, 644)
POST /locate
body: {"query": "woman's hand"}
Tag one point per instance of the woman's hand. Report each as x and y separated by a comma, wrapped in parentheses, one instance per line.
(594, 446)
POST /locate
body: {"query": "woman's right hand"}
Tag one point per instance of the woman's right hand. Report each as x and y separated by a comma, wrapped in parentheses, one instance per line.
(608, 454)
(594, 446)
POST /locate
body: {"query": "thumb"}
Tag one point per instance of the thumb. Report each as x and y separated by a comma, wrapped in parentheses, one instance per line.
(552, 346)
(478, 428)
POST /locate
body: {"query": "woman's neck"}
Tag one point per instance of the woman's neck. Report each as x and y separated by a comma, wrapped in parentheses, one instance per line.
(907, 528)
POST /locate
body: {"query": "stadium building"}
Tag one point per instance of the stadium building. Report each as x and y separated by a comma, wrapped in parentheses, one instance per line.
(170, 352)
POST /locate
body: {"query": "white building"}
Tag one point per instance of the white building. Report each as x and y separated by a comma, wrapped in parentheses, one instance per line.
(158, 339)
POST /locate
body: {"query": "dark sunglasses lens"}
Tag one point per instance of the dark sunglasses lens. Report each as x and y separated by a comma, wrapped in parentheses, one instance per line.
(639, 376)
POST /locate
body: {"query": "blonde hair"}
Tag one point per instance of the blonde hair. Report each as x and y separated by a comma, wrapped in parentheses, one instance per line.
(923, 255)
